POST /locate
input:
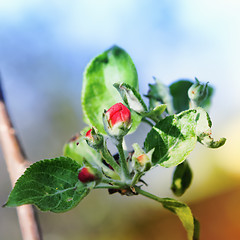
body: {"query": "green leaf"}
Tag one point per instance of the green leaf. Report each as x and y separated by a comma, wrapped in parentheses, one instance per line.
(158, 94)
(185, 215)
(179, 92)
(131, 97)
(155, 114)
(51, 185)
(98, 93)
(196, 229)
(204, 132)
(173, 138)
(180, 209)
(182, 178)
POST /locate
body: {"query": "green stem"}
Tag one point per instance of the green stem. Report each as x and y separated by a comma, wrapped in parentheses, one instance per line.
(148, 195)
(113, 181)
(136, 178)
(110, 159)
(107, 186)
(109, 172)
(122, 160)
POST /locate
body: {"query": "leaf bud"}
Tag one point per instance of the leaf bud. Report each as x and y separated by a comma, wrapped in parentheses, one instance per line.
(131, 97)
(198, 93)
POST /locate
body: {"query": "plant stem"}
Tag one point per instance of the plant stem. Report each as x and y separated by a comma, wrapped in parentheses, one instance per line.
(122, 160)
(113, 181)
(136, 178)
(110, 159)
(16, 164)
(107, 186)
(109, 172)
(148, 195)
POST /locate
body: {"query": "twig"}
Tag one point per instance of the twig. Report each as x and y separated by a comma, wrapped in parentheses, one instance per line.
(16, 164)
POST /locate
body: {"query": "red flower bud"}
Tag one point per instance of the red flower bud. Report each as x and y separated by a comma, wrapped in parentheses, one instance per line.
(117, 120)
(89, 134)
(118, 113)
(93, 138)
(86, 175)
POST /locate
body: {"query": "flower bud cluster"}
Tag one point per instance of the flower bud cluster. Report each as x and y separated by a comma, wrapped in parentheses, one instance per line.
(117, 123)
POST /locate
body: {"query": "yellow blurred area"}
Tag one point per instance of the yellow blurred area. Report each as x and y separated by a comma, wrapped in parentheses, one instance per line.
(228, 157)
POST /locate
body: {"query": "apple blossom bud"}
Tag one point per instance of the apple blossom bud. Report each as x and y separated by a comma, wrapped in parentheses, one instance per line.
(87, 174)
(141, 159)
(89, 134)
(117, 120)
(94, 139)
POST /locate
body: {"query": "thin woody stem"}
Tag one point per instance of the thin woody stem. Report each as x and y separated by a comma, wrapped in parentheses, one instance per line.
(16, 164)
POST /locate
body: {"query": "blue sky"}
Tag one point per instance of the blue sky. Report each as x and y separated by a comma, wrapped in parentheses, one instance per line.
(167, 39)
(45, 46)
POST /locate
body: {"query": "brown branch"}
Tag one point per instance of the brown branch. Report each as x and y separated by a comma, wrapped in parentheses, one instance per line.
(16, 164)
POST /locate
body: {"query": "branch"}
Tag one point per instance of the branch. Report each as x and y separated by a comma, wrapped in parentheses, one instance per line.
(16, 164)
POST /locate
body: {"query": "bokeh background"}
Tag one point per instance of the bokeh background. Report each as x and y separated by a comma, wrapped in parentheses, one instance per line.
(44, 48)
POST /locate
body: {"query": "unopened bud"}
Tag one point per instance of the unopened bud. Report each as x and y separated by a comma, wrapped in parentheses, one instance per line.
(117, 120)
(131, 97)
(94, 139)
(142, 160)
(87, 174)
(198, 93)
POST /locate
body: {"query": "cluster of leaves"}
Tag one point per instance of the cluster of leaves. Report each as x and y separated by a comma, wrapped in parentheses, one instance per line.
(110, 78)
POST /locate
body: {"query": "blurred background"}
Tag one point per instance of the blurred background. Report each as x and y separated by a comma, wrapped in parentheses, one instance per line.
(44, 48)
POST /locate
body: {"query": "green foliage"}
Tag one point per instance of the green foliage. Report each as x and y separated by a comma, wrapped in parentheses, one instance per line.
(183, 212)
(52, 185)
(173, 138)
(160, 94)
(77, 149)
(182, 178)
(204, 131)
(98, 93)
(156, 112)
(179, 92)
(131, 97)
